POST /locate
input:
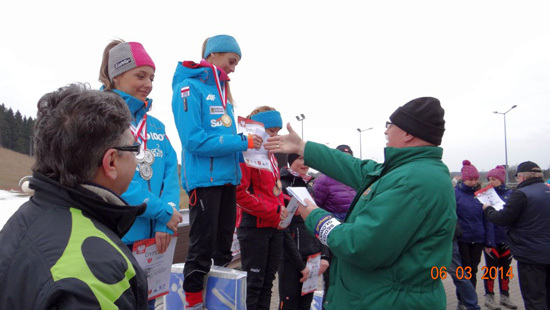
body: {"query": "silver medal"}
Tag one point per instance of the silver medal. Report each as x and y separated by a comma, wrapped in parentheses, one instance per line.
(140, 157)
(145, 171)
(148, 157)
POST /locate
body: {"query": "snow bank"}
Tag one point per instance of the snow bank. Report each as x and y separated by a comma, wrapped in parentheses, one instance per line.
(10, 201)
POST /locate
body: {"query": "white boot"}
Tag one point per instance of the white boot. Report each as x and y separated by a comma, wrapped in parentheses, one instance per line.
(490, 302)
(506, 302)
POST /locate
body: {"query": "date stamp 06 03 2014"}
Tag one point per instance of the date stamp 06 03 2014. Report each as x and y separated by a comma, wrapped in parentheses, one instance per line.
(489, 273)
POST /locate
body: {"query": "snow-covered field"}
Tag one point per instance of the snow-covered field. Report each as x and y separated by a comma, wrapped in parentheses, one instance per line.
(9, 203)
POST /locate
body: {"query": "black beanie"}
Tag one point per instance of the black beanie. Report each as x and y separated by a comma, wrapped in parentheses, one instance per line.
(291, 158)
(345, 148)
(422, 118)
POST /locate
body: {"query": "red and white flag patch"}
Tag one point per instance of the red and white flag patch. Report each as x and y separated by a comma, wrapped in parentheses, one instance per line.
(185, 91)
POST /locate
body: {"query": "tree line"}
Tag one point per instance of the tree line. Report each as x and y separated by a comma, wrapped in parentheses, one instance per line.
(16, 131)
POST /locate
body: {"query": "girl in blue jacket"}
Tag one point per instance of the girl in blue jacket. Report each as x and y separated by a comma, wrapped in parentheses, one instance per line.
(128, 70)
(203, 111)
(475, 235)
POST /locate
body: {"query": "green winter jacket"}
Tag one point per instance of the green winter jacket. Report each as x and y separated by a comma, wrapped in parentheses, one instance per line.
(399, 226)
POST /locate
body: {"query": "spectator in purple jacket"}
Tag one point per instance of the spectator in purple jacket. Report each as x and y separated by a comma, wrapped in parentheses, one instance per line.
(334, 197)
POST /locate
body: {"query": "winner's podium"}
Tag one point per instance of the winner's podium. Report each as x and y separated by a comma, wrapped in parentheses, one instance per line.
(225, 289)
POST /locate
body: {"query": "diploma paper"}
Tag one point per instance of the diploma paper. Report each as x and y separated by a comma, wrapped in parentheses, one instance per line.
(291, 208)
(314, 264)
(301, 194)
(157, 266)
(488, 195)
(252, 157)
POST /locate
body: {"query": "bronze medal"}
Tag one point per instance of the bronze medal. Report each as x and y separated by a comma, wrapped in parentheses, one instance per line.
(277, 188)
(226, 120)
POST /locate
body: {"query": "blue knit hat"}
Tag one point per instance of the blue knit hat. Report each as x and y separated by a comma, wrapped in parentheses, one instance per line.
(222, 44)
(270, 119)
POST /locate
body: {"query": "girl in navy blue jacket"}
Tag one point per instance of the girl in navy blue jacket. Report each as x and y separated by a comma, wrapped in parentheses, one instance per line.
(475, 236)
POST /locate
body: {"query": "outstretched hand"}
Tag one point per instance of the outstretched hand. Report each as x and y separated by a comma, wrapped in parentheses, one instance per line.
(289, 144)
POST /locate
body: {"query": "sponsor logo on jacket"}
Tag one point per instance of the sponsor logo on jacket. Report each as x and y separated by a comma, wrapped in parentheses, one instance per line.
(216, 110)
(155, 136)
(215, 123)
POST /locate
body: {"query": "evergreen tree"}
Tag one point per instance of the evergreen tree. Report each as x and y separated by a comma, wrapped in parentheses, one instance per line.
(16, 131)
(2, 124)
(8, 137)
(18, 135)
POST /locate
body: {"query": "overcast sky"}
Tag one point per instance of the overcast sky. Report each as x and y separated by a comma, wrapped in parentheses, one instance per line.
(343, 64)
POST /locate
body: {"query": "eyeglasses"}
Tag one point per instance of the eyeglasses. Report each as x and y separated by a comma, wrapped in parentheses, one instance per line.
(388, 125)
(135, 148)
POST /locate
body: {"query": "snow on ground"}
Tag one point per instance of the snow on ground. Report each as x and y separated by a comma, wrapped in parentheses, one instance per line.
(10, 201)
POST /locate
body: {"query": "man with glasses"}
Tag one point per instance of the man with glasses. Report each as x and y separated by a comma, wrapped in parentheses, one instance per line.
(527, 214)
(400, 225)
(62, 248)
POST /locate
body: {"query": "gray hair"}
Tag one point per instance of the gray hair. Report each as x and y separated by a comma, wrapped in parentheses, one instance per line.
(531, 175)
(74, 127)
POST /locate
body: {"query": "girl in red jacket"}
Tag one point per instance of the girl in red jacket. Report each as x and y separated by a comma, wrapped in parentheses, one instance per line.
(260, 208)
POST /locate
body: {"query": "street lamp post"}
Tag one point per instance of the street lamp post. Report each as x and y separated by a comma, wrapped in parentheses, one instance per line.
(301, 119)
(505, 144)
(361, 141)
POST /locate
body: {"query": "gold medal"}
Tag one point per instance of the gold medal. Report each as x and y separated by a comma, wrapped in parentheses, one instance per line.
(226, 120)
(279, 184)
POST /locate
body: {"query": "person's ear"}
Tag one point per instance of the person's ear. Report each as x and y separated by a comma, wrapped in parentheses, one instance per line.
(115, 81)
(109, 164)
(408, 137)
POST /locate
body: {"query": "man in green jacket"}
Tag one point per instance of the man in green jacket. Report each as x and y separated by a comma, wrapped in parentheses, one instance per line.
(396, 239)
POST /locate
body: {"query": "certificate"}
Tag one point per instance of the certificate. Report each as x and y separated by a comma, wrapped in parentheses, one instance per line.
(313, 264)
(301, 194)
(488, 196)
(252, 157)
(157, 266)
(291, 208)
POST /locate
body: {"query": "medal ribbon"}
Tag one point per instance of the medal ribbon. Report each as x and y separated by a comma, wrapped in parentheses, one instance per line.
(275, 167)
(140, 131)
(221, 90)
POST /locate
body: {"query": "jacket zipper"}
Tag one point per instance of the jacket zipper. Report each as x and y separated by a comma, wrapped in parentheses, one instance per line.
(211, 169)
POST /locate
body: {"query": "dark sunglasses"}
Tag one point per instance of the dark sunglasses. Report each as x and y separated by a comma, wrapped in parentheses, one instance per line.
(135, 148)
